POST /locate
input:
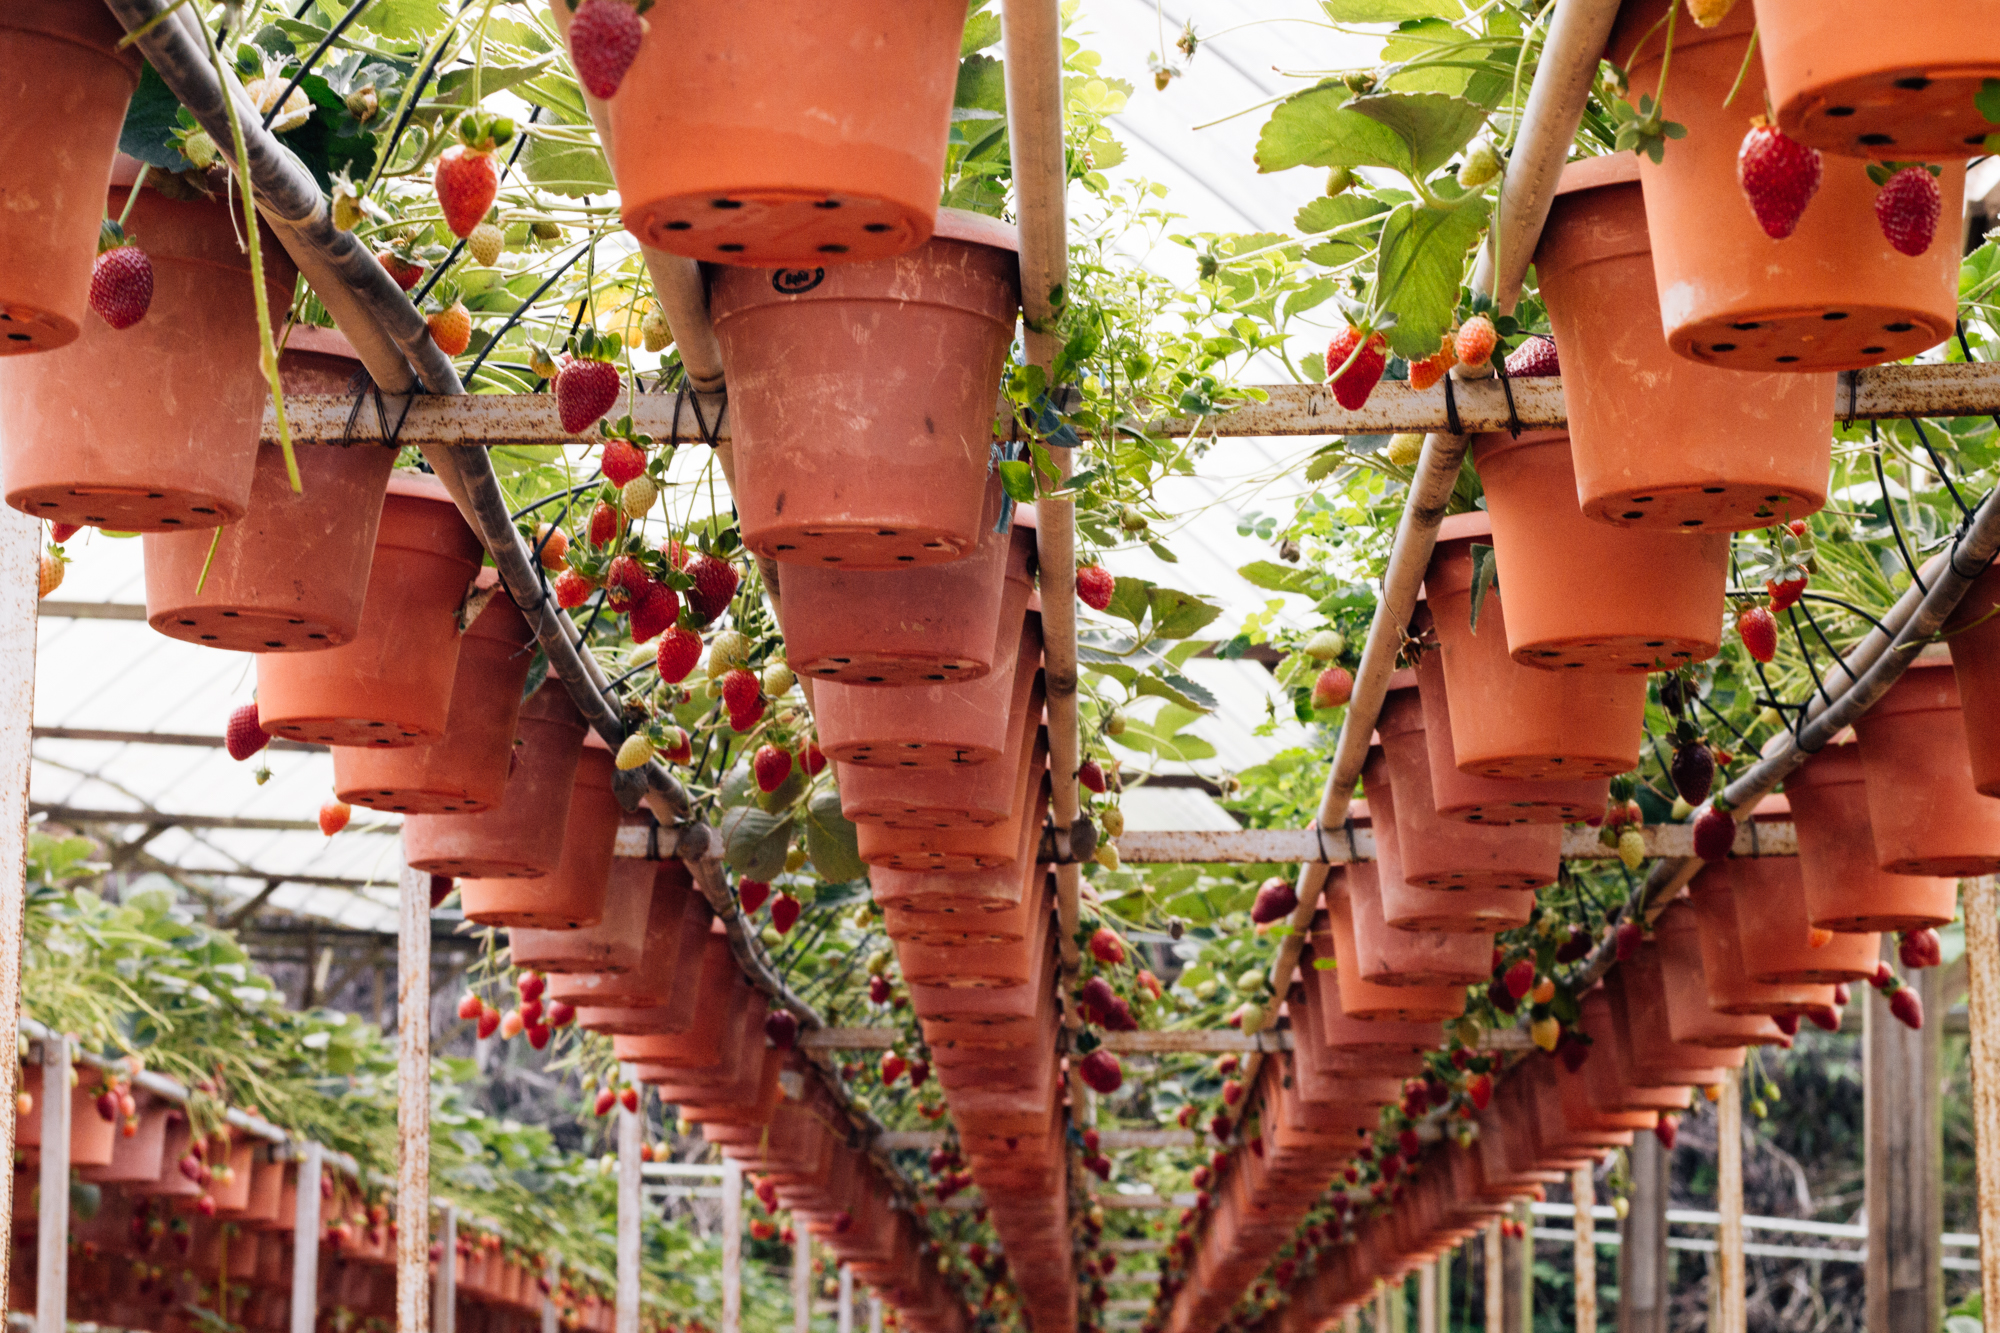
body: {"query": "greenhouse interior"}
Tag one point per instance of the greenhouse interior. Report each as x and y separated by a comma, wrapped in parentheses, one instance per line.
(475, 859)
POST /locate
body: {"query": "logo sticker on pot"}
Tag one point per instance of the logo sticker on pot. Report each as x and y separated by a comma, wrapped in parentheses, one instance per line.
(797, 281)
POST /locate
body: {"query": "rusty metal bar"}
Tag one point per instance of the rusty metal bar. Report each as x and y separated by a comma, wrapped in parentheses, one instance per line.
(444, 1292)
(20, 553)
(413, 1104)
(631, 1211)
(305, 1241)
(52, 1218)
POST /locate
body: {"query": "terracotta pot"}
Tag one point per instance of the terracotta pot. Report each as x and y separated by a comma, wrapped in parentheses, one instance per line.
(1775, 933)
(1409, 907)
(1661, 442)
(152, 428)
(521, 838)
(969, 796)
(1456, 795)
(467, 771)
(998, 920)
(660, 994)
(291, 575)
(392, 685)
(961, 849)
(68, 84)
(92, 1139)
(1848, 79)
(932, 626)
(1654, 596)
(1648, 1055)
(722, 1022)
(926, 726)
(139, 1157)
(571, 897)
(745, 136)
(1009, 1017)
(619, 941)
(1352, 911)
(1007, 952)
(1435, 852)
(1604, 1068)
(1731, 989)
(170, 1182)
(948, 894)
(1926, 815)
(1511, 721)
(1834, 295)
(1691, 1019)
(1973, 635)
(1845, 887)
(884, 466)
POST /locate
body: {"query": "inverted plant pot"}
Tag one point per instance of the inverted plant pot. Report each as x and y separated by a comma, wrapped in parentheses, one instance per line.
(392, 685)
(467, 770)
(1660, 442)
(951, 895)
(1775, 934)
(153, 428)
(92, 1139)
(1605, 1065)
(1648, 1055)
(1691, 1019)
(969, 796)
(967, 963)
(928, 726)
(1846, 888)
(1973, 635)
(1584, 596)
(1731, 989)
(1926, 815)
(522, 837)
(616, 944)
(291, 575)
(661, 995)
(139, 1157)
(1357, 907)
(1401, 956)
(1413, 907)
(961, 849)
(883, 465)
(994, 921)
(1849, 78)
(572, 896)
(1512, 721)
(1834, 295)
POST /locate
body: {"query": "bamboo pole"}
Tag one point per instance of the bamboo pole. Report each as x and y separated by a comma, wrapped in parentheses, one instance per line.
(732, 1246)
(1496, 1280)
(1982, 956)
(52, 1233)
(631, 1210)
(20, 552)
(305, 1241)
(1729, 1301)
(1583, 1192)
(413, 1103)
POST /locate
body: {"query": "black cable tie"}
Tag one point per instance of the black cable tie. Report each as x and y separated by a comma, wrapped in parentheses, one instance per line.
(1514, 426)
(1451, 421)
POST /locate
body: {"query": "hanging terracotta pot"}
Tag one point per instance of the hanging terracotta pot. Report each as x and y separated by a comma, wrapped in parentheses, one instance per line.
(1356, 908)
(958, 896)
(1457, 795)
(1655, 596)
(522, 837)
(1648, 1055)
(1604, 1067)
(1004, 916)
(67, 84)
(572, 896)
(1660, 442)
(153, 428)
(1845, 887)
(926, 726)
(1511, 721)
(171, 1181)
(1973, 635)
(1730, 988)
(1411, 907)
(720, 1020)
(1691, 1019)
(1926, 815)
(291, 575)
(92, 1138)
(961, 849)
(1834, 295)
(1433, 851)
(392, 685)
(1006, 952)
(1778, 942)
(748, 134)
(659, 996)
(884, 465)
(1847, 78)
(616, 944)
(466, 771)
(969, 796)
(138, 1156)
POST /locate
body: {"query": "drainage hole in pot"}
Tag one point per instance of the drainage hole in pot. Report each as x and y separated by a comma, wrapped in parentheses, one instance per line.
(833, 248)
(906, 559)
(1900, 326)
(1746, 326)
(827, 203)
(1834, 314)
(1712, 490)
(1773, 499)
(874, 680)
(1848, 111)
(887, 532)
(1873, 351)
(831, 559)
(1970, 138)
(1786, 360)
(678, 225)
(170, 520)
(731, 249)
(786, 546)
(27, 338)
(231, 615)
(725, 203)
(1657, 643)
(207, 638)
(1877, 140)
(1691, 522)
(1634, 513)
(939, 677)
(879, 227)
(1723, 347)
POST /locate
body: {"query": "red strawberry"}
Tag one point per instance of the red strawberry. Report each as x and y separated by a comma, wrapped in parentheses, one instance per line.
(1101, 1070)
(714, 584)
(1333, 687)
(606, 1100)
(467, 182)
(748, 719)
(573, 589)
(1908, 1007)
(893, 1066)
(1787, 590)
(623, 460)
(1480, 1090)
(538, 1035)
(625, 583)
(1476, 340)
(1824, 1017)
(815, 760)
(1885, 977)
(1759, 631)
(407, 272)
(1787, 1024)
(741, 691)
(1106, 947)
(1714, 834)
(1094, 586)
(1352, 385)
(1232, 1091)
(1667, 1130)
(1919, 948)
(121, 285)
(784, 913)
(677, 748)
(750, 894)
(532, 985)
(470, 1007)
(244, 737)
(1534, 359)
(489, 1021)
(62, 532)
(604, 40)
(1520, 978)
(920, 1073)
(1778, 175)
(878, 990)
(1091, 776)
(1907, 210)
(585, 391)
(657, 609)
(772, 766)
(781, 1027)
(1275, 901)
(680, 649)
(629, 1099)
(333, 817)
(1628, 938)
(451, 329)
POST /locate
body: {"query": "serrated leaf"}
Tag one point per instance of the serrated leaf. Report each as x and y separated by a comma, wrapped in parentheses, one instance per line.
(982, 29)
(1431, 126)
(982, 84)
(1177, 614)
(1275, 577)
(1322, 465)
(1130, 600)
(1423, 260)
(569, 169)
(1178, 689)
(401, 20)
(831, 843)
(755, 841)
(1389, 11)
(1314, 129)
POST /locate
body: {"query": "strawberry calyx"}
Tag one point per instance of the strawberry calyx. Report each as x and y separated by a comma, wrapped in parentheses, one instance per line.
(590, 345)
(482, 132)
(110, 235)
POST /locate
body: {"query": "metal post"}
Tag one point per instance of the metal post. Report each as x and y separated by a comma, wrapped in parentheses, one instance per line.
(551, 1315)
(1729, 1288)
(1382, 1324)
(413, 1103)
(1905, 1172)
(1496, 1281)
(1583, 1191)
(732, 1246)
(802, 1263)
(52, 1238)
(20, 551)
(874, 1313)
(305, 1241)
(1351, 1323)
(1518, 1275)
(631, 1206)
(1643, 1283)
(846, 1314)
(1982, 1002)
(444, 1292)
(1427, 1298)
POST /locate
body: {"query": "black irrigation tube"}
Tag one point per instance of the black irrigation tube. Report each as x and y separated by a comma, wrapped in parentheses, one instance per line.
(1889, 508)
(522, 309)
(1824, 641)
(306, 66)
(1944, 473)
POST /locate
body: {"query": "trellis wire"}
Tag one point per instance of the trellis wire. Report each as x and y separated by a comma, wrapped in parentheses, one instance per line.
(306, 66)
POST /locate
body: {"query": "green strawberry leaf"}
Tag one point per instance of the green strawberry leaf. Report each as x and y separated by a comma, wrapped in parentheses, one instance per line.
(1422, 266)
(755, 841)
(1389, 11)
(831, 843)
(1431, 126)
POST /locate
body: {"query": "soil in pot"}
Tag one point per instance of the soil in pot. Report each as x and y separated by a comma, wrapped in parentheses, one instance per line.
(1835, 294)
(291, 575)
(1654, 596)
(522, 837)
(1926, 814)
(883, 465)
(572, 895)
(392, 685)
(940, 726)
(1777, 941)
(1845, 887)
(466, 771)
(67, 86)
(1658, 441)
(153, 428)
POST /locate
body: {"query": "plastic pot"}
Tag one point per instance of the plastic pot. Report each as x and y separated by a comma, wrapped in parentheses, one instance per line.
(1834, 295)
(1731, 989)
(969, 796)
(1356, 909)
(522, 837)
(152, 428)
(1973, 635)
(1845, 887)
(572, 896)
(883, 465)
(1410, 907)
(1926, 815)
(1660, 442)
(67, 86)
(392, 685)
(616, 944)
(1775, 933)
(467, 770)
(994, 914)
(1691, 1019)
(1512, 721)
(932, 727)
(291, 575)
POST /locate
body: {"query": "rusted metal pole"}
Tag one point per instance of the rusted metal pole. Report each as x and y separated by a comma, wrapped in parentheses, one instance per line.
(1583, 1191)
(846, 1316)
(20, 552)
(444, 1289)
(631, 1210)
(52, 1222)
(413, 1102)
(1729, 1300)
(1903, 1113)
(1496, 1278)
(551, 1316)
(732, 1246)
(1982, 957)
(802, 1262)
(1427, 1298)
(305, 1240)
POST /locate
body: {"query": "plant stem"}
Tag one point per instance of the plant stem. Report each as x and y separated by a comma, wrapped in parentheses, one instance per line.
(133, 197)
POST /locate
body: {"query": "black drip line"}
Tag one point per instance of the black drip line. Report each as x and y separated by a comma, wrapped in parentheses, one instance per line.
(1889, 508)
(1832, 651)
(522, 309)
(306, 66)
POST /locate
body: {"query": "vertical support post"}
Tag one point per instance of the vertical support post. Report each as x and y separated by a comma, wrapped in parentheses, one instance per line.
(52, 1236)
(1351, 1323)
(631, 1205)
(1518, 1275)
(1730, 1308)
(1982, 1002)
(1583, 1190)
(1427, 1298)
(874, 1313)
(1643, 1285)
(1382, 1324)
(20, 552)
(305, 1241)
(1905, 1167)
(413, 1103)
(444, 1291)
(732, 1246)
(551, 1315)
(846, 1315)
(802, 1264)
(1496, 1279)
(1444, 1288)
